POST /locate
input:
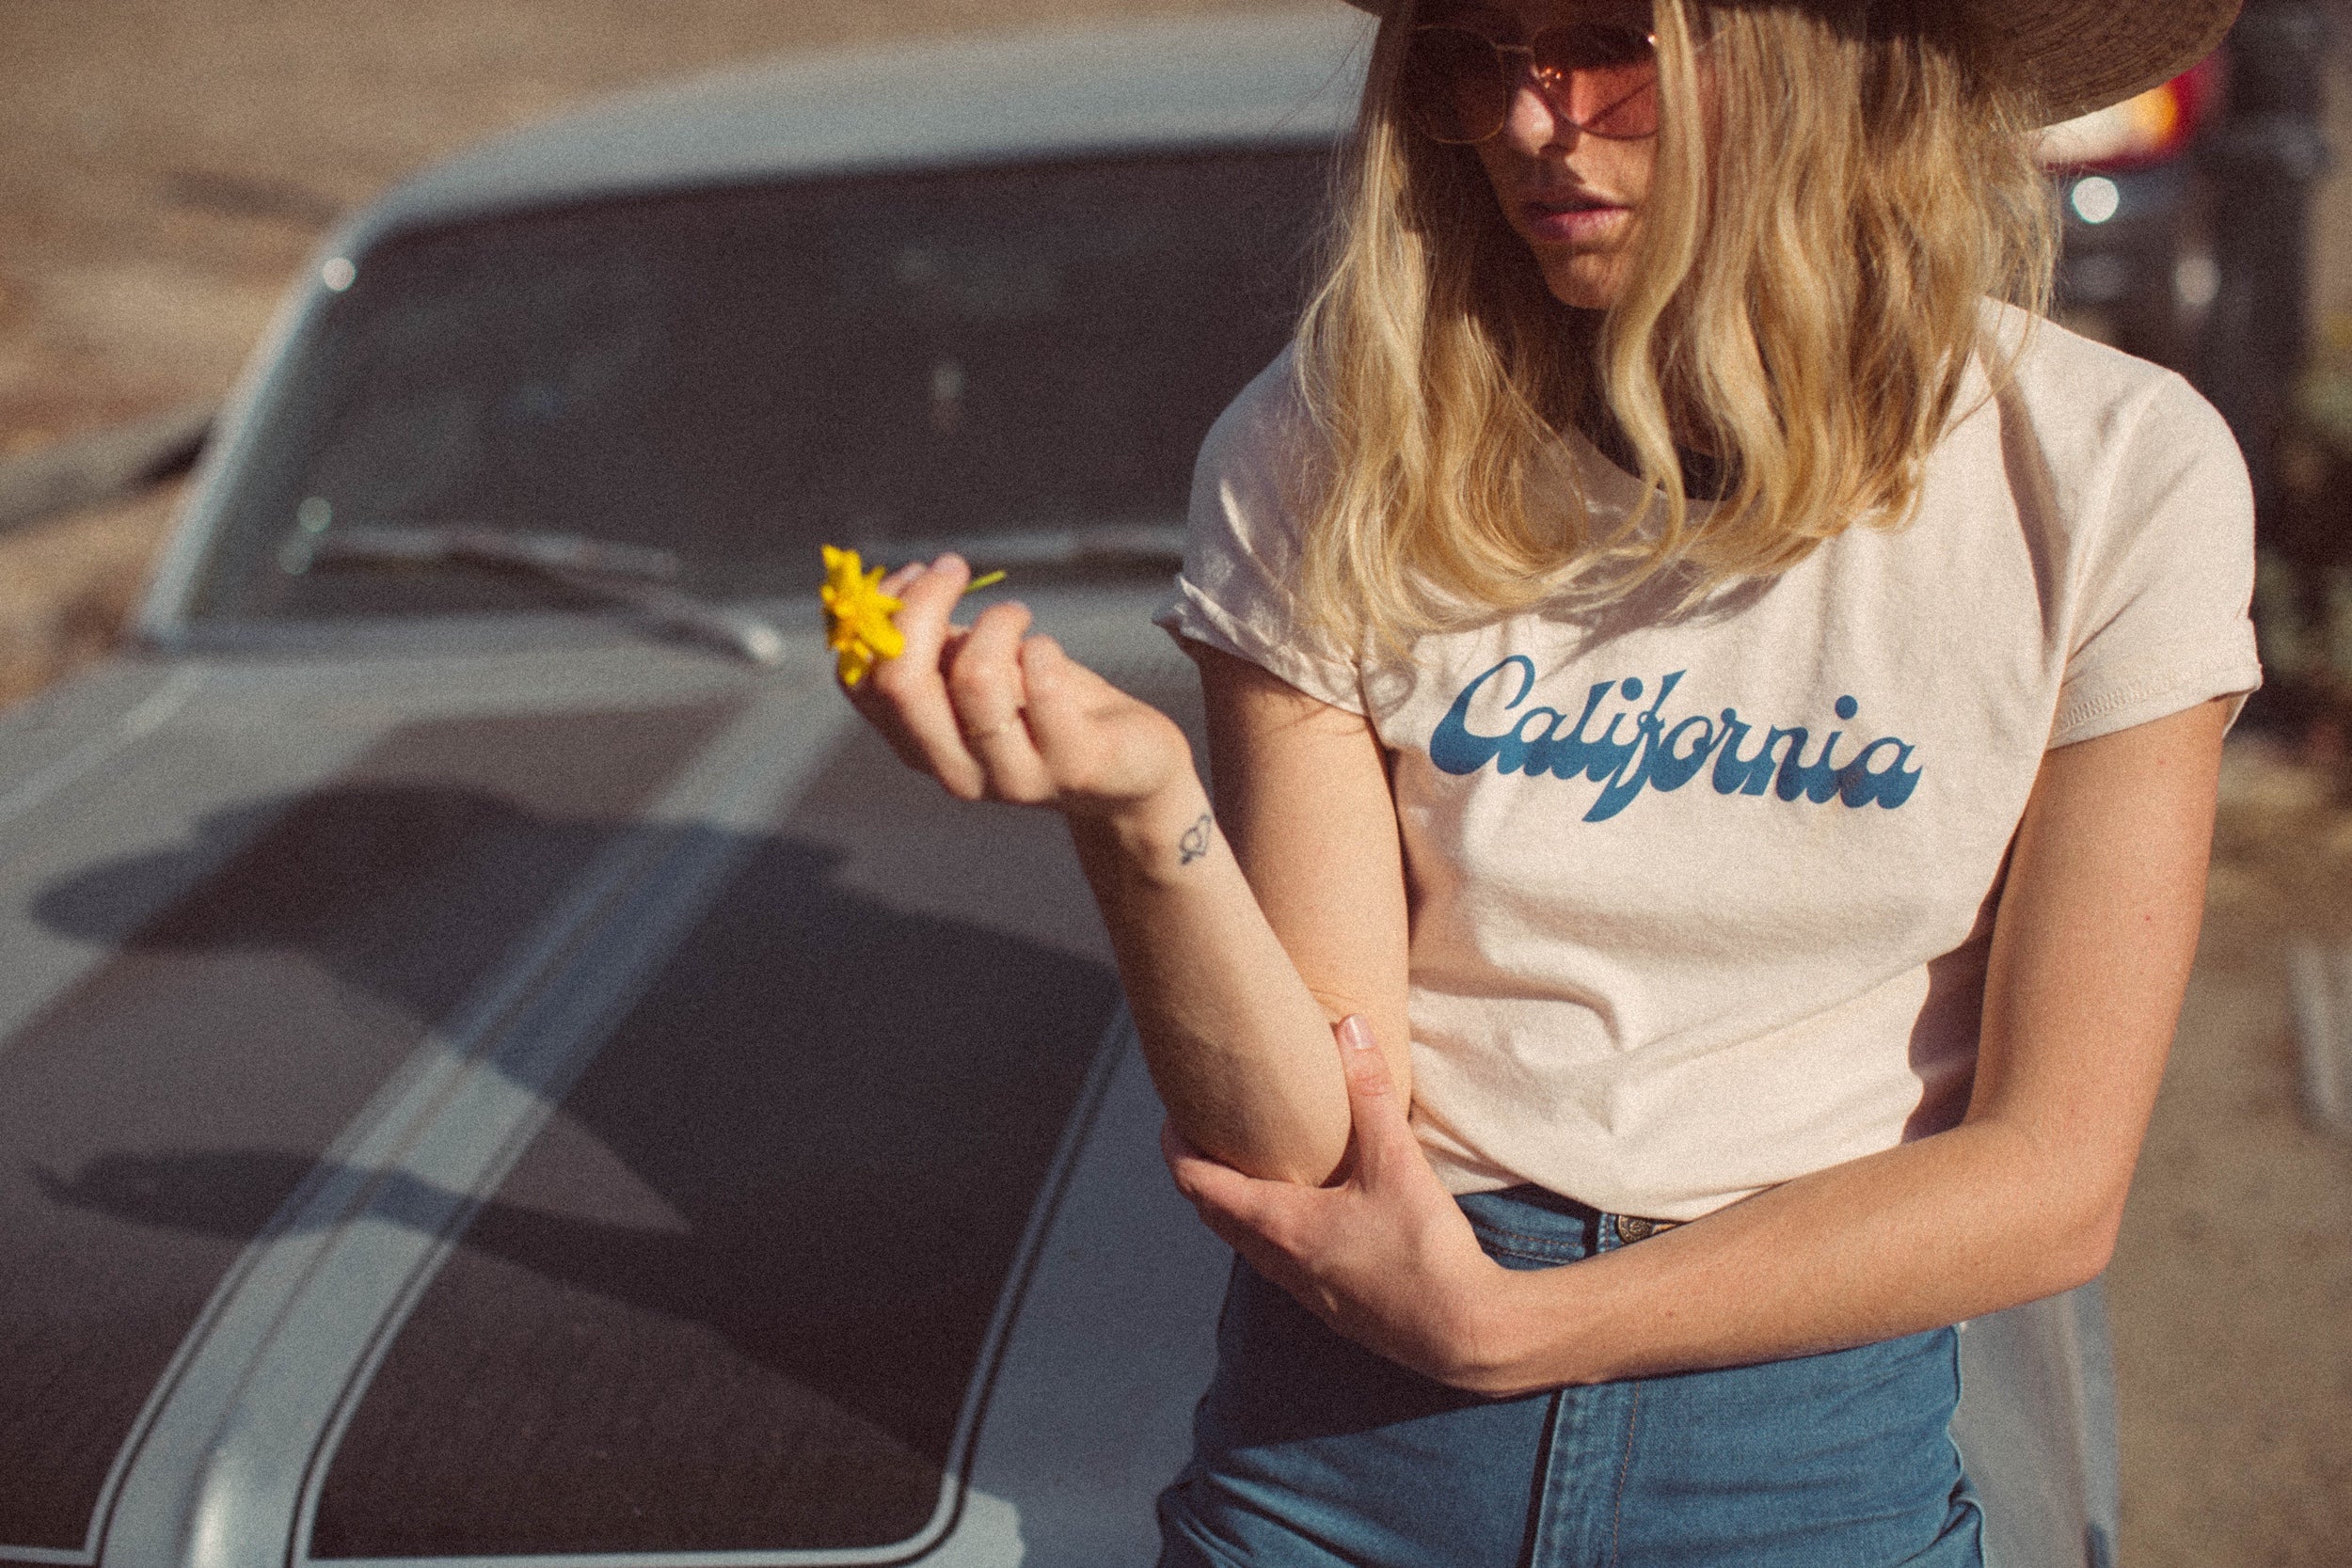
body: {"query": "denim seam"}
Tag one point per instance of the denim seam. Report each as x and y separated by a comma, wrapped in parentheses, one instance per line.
(1545, 1249)
(1624, 1466)
(1539, 1503)
(1525, 1256)
(1540, 1260)
(1500, 1234)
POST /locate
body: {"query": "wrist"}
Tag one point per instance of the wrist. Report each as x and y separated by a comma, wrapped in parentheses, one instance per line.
(1505, 1349)
(1489, 1339)
(1156, 836)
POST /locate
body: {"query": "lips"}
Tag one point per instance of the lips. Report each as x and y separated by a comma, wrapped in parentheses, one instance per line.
(1572, 201)
(1571, 216)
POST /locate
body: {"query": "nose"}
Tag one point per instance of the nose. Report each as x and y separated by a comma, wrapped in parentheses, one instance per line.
(1531, 124)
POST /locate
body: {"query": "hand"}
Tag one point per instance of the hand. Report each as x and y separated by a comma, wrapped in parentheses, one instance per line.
(993, 714)
(1384, 1256)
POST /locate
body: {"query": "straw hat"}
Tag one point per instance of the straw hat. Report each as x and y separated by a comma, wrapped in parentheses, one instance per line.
(2077, 55)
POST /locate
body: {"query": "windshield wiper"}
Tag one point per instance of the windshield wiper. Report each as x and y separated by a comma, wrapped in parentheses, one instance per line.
(638, 575)
(1098, 545)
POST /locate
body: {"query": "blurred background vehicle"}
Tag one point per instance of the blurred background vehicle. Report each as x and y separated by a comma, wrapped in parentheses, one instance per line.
(2137, 269)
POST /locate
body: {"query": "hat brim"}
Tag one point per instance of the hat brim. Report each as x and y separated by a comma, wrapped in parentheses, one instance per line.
(2077, 55)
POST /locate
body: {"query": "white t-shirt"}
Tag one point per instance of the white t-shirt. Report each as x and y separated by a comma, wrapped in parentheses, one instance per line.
(1702, 904)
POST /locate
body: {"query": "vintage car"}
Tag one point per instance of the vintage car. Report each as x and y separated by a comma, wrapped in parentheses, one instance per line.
(497, 1065)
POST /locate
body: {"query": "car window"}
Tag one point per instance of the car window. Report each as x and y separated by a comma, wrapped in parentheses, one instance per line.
(739, 374)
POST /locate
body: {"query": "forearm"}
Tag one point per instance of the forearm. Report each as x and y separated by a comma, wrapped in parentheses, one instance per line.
(1951, 1226)
(2090, 953)
(1239, 1049)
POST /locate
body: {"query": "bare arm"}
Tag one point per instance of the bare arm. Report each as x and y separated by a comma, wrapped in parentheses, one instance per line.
(1302, 791)
(2091, 955)
(1238, 1043)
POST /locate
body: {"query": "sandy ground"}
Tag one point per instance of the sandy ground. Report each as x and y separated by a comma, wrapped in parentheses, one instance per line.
(2231, 1286)
(68, 584)
(170, 163)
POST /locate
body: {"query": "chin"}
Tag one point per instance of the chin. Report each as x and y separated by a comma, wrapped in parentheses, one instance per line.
(1583, 280)
(1581, 290)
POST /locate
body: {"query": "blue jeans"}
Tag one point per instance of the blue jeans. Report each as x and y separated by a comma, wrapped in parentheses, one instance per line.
(1310, 1451)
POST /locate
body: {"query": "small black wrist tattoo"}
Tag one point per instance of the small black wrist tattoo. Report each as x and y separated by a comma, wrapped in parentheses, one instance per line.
(1195, 842)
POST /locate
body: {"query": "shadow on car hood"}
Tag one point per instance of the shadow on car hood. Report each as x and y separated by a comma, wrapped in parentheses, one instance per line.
(621, 1128)
(259, 1011)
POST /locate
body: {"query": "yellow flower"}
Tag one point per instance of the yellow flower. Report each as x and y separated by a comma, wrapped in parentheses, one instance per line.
(858, 628)
(858, 624)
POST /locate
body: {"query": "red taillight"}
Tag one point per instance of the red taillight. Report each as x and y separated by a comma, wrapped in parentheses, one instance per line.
(2148, 129)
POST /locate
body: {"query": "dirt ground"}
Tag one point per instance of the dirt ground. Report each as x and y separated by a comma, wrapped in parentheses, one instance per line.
(169, 164)
(2231, 1286)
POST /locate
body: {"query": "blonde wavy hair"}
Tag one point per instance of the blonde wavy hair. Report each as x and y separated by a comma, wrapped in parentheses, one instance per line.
(1801, 302)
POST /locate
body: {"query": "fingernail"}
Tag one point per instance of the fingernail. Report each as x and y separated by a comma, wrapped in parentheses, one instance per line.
(1354, 1033)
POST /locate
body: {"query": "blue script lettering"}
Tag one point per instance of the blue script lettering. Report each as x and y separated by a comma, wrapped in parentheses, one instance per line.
(1661, 753)
(1739, 775)
(1594, 756)
(1640, 766)
(1671, 769)
(1890, 786)
(1456, 749)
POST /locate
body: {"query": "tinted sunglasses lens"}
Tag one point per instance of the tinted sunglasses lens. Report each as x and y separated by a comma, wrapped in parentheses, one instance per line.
(1604, 78)
(1455, 85)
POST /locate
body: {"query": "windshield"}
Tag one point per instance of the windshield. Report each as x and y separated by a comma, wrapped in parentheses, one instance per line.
(738, 375)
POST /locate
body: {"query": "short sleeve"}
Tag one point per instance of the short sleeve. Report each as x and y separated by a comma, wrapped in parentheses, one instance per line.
(2160, 616)
(1242, 544)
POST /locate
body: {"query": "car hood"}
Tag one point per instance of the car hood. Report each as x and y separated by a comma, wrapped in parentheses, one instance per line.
(561, 1103)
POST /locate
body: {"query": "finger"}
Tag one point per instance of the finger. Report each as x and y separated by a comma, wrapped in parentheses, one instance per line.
(1275, 1265)
(885, 714)
(1206, 1182)
(882, 712)
(1173, 1147)
(1383, 1128)
(929, 598)
(1068, 704)
(911, 689)
(1063, 692)
(1227, 1198)
(984, 682)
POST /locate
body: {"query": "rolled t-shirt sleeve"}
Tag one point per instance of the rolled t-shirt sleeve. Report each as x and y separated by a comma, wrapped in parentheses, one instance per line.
(2159, 620)
(1242, 545)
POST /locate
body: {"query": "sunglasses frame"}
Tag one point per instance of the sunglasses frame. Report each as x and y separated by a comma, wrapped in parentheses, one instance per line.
(1529, 71)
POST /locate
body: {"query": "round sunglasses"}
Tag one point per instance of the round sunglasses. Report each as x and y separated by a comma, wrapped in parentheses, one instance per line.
(1600, 77)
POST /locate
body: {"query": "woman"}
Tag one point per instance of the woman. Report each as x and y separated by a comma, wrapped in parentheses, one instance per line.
(1728, 717)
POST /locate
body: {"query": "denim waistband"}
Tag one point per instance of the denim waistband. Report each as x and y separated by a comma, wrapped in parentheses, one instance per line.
(1539, 1228)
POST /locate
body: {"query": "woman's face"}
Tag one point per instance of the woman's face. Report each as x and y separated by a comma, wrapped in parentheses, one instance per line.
(1574, 197)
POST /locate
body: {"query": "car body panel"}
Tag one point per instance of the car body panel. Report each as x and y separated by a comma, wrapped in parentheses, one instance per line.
(1280, 76)
(341, 1234)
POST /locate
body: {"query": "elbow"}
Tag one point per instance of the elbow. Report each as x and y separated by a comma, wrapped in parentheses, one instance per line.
(1301, 1155)
(2065, 1210)
(2076, 1248)
(1301, 1166)
(2092, 1249)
